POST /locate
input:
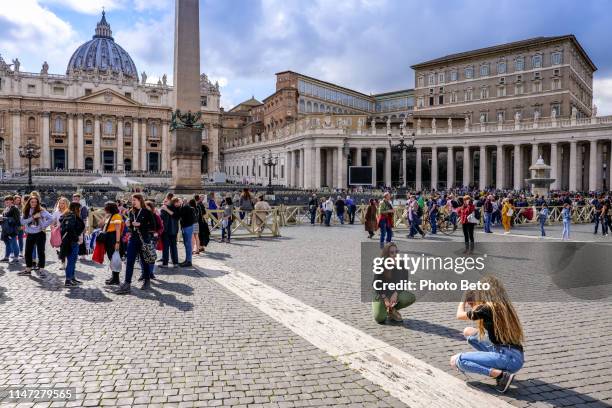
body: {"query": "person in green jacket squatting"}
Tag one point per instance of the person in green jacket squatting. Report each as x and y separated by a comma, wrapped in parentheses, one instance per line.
(387, 303)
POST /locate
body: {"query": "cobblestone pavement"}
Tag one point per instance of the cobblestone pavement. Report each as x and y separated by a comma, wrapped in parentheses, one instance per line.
(567, 350)
(190, 342)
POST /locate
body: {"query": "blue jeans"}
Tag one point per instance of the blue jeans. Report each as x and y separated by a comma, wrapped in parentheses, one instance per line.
(433, 221)
(386, 233)
(487, 222)
(566, 229)
(596, 218)
(341, 217)
(20, 241)
(12, 247)
(542, 223)
(71, 261)
(134, 248)
(227, 230)
(188, 242)
(489, 356)
(313, 213)
(328, 215)
(170, 249)
(453, 218)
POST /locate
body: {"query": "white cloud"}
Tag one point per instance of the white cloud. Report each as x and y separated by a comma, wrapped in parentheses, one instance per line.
(602, 97)
(144, 5)
(29, 28)
(150, 44)
(88, 6)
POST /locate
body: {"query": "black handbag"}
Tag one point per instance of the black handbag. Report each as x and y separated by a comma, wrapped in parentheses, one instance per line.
(148, 252)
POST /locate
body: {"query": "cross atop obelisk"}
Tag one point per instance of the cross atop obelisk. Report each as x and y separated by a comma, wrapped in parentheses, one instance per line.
(186, 147)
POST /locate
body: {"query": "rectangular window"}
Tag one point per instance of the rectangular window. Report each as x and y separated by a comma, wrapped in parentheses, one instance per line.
(556, 58)
(469, 72)
(154, 98)
(453, 97)
(58, 90)
(420, 82)
(431, 101)
(468, 95)
(420, 102)
(518, 89)
(536, 61)
(501, 67)
(128, 95)
(484, 70)
(484, 93)
(453, 75)
(441, 78)
(537, 86)
(31, 88)
(519, 64)
(501, 91)
(440, 99)
(87, 91)
(556, 84)
(431, 79)
(204, 100)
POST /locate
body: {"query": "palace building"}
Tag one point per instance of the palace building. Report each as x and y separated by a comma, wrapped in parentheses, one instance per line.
(478, 118)
(99, 116)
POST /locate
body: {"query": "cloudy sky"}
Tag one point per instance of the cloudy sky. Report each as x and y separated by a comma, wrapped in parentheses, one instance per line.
(367, 45)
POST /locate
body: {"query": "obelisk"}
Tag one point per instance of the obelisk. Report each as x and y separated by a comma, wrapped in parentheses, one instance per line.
(186, 148)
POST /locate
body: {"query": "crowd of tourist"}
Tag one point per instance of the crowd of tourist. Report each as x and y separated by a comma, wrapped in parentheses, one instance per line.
(129, 231)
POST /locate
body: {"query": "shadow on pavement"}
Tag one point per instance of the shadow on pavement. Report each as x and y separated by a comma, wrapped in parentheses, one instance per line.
(432, 328)
(180, 288)
(534, 391)
(161, 298)
(94, 295)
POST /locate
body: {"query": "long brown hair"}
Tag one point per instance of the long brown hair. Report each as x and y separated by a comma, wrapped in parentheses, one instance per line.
(508, 328)
(140, 198)
(28, 205)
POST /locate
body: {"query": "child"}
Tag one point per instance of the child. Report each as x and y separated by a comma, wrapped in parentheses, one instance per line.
(542, 217)
(501, 355)
(566, 215)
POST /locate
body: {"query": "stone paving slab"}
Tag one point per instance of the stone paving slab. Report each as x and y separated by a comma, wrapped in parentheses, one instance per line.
(567, 349)
(188, 342)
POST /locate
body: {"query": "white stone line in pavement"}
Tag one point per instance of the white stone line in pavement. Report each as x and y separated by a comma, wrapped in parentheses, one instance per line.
(501, 234)
(406, 378)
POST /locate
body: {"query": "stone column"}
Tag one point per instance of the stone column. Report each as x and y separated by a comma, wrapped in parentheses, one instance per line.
(119, 163)
(80, 153)
(340, 167)
(71, 141)
(373, 164)
(329, 167)
(44, 148)
(165, 155)
(135, 144)
(308, 170)
(499, 167)
(572, 166)
(144, 144)
(593, 162)
(450, 167)
(317, 168)
(97, 146)
(467, 166)
(419, 169)
(388, 166)
(483, 175)
(434, 168)
(403, 169)
(16, 141)
(518, 166)
(289, 164)
(554, 164)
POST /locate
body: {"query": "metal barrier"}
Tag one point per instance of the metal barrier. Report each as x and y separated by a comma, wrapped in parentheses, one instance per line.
(256, 223)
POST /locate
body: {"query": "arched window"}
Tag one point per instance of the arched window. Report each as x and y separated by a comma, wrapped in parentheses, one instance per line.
(127, 130)
(31, 124)
(302, 106)
(108, 127)
(127, 165)
(308, 107)
(88, 127)
(88, 163)
(59, 125)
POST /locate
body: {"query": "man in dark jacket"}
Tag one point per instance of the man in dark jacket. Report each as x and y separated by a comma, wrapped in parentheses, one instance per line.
(340, 207)
(10, 228)
(170, 215)
(313, 204)
(203, 230)
(487, 209)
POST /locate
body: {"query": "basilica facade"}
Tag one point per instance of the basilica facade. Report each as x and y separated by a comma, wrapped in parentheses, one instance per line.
(100, 116)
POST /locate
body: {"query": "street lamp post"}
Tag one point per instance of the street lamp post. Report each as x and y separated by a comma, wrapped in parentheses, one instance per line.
(401, 147)
(270, 162)
(29, 151)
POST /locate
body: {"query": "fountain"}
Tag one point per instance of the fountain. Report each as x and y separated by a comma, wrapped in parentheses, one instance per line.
(540, 178)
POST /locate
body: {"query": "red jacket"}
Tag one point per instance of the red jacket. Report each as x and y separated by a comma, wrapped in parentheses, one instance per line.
(464, 211)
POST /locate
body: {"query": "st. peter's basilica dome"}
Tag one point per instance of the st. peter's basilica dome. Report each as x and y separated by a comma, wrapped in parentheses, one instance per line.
(102, 56)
